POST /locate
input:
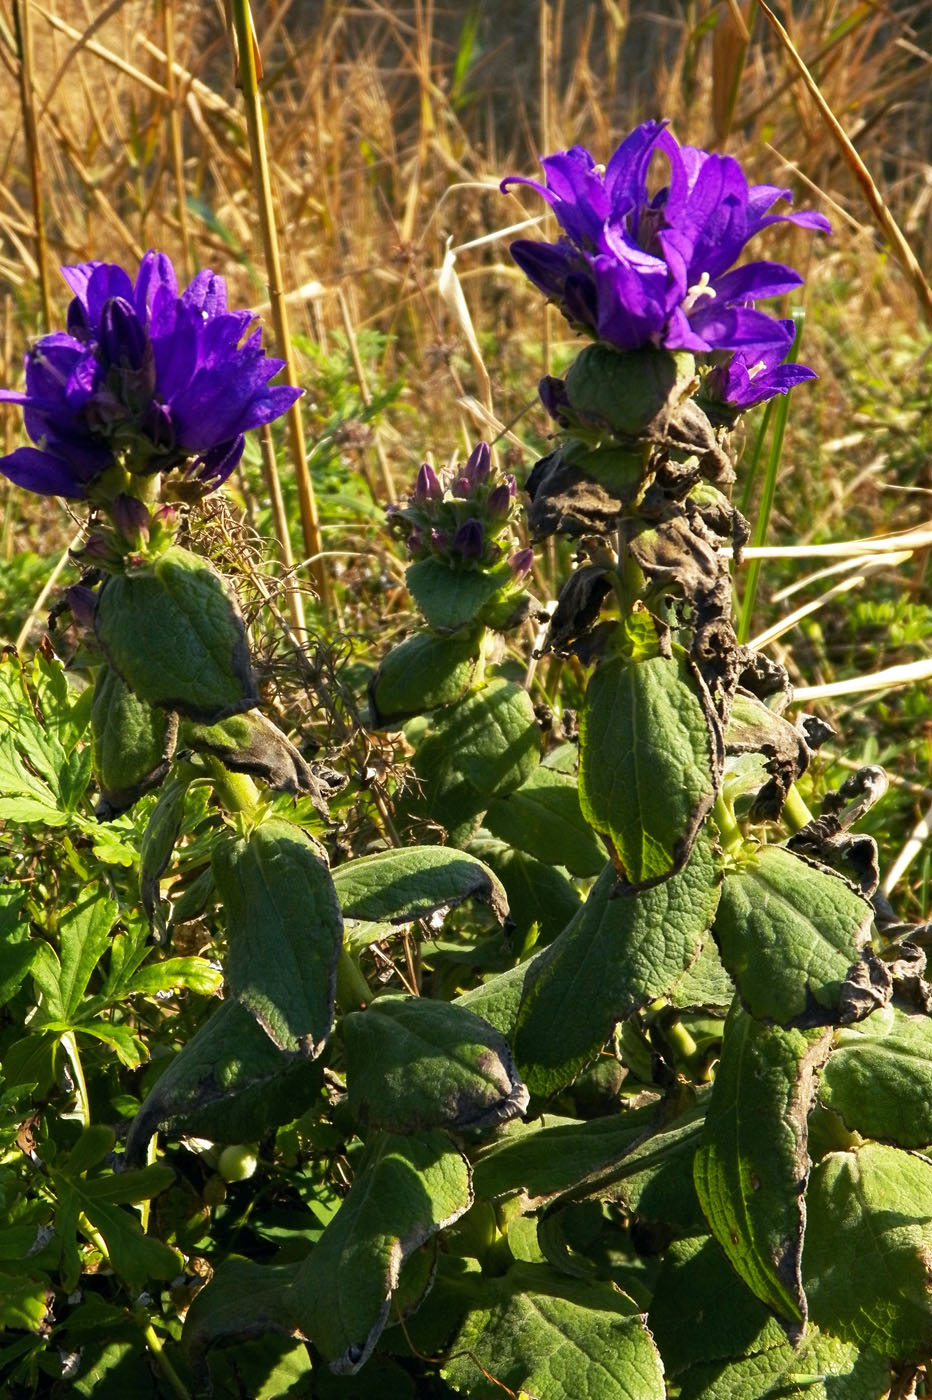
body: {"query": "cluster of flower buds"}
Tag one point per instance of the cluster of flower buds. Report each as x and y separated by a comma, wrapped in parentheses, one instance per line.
(462, 514)
(126, 533)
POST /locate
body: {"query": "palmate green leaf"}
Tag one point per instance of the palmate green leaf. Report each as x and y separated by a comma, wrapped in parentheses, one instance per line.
(620, 952)
(789, 932)
(196, 659)
(719, 1342)
(84, 931)
(191, 974)
(229, 1083)
(481, 748)
(135, 1257)
(752, 1166)
(407, 1188)
(544, 818)
(18, 950)
(550, 1336)
(867, 1250)
(398, 886)
(285, 931)
(649, 760)
(413, 1064)
(879, 1077)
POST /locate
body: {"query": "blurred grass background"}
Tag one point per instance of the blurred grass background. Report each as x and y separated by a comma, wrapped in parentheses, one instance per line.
(389, 127)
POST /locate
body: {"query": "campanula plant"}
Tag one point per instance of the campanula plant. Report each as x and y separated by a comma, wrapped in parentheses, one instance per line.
(682, 1053)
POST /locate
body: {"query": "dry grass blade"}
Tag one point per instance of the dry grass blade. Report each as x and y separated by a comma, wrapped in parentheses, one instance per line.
(906, 674)
(23, 26)
(887, 223)
(786, 624)
(913, 847)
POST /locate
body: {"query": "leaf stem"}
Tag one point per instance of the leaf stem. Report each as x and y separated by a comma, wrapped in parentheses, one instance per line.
(353, 991)
(728, 829)
(70, 1046)
(795, 812)
(153, 1342)
(236, 791)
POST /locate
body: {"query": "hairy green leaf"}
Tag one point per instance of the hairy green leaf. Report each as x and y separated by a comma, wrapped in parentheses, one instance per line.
(407, 1189)
(544, 818)
(452, 598)
(649, 763)
(412, 1064)
(752, 1167)
(879, 1077)
(621, 951)
(195, 659)
(789, 933)
(132, 743)
(422, 673)
(550, 1336)
(400, 885)
(285, 932)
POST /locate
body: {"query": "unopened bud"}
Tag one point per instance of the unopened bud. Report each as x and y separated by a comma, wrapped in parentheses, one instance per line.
(521, 562)
(427, 485)
(498, 505)
(478, 464)
(469, 539)
(131, 518)
(82, 603)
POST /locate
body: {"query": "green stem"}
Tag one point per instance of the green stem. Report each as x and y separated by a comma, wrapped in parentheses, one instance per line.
(161, 1360)
(236, 791)
(795, 812)
(768, 493)
(729, 831)
(70, 1046)
(353, 991)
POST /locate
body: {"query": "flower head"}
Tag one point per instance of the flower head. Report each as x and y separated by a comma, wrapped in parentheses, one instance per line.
(754, 374)
(461, 513)
(143, 378)
(635, 267)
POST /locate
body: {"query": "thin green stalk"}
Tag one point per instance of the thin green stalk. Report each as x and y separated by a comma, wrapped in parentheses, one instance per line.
(153, 1342)
(729, 832)
(795, 812)
(768, 493)
(249, 85)
(353, 991)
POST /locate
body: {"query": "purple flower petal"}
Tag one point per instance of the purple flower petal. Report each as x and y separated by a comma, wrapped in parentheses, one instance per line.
(44, 474)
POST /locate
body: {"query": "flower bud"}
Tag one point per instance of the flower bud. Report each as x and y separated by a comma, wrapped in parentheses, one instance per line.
(521, 563)
(82, 602)
(469, 539)
(498, 506)
(478, 464)
(131, 518)
(427, 486)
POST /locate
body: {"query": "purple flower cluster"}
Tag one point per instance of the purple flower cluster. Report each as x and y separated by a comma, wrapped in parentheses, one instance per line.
(145, 379)
(635, 267)
(460, 513)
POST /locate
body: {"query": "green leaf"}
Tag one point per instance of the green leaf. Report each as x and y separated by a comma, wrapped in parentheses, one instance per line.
(498, 998)
(135, 1257)
(720, 1343)
(25, 1297)
(191, 974)
(132, 743)
(879, 1077)
(84, 930)
(30, 810)
(195, 659)
(649, 763)
(867, 1251)
(554, 1337)
(789, 933)
(481, 748)
(413, 1064)
(451, 598)
(251, 743)
(753, 1163)
(621, 951)
(537, 893)
(398, 886)
(158, 841)
(241, 1298)
(705, 982)
(548, 1160)
(544, 818)
(422, 673)
(627, 389)
(407, 1189)
(285, 931)
(229, 1083)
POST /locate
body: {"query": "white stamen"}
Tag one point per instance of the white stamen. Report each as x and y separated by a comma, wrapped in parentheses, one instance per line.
(754, 370)
(701, 289)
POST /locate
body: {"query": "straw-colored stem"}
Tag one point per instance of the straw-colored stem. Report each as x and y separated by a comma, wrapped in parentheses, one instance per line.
(385, 471)
(249, 84)
(23, 26)
(175, 133)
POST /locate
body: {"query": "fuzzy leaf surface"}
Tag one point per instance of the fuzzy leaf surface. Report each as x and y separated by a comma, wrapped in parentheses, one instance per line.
(868, 1246)
(131, 742)
(400, 885)
(879, 1077)
(619, 953)
(539, 1332)
(408, 1188)
(422, 673)
(452, 598)
(414, 1064)
(285, 931)
(648, 765)
(789, 933)
(195, 659)
(752, 1166)
(543, 817)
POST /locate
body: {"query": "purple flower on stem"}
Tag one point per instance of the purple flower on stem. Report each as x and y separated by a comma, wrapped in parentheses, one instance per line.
(756, 373)
(427, 485)
(637, 268)
(145, 378)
